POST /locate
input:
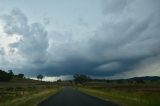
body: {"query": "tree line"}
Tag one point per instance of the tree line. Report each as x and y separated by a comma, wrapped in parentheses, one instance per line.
(77, 78)
(7, 76)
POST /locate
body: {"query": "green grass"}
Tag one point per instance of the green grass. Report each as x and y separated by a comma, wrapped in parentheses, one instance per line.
(125, 98)
(31, 99)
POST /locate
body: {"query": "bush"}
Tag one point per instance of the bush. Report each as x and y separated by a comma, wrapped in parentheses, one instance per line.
(20, 75)
(80, 78)
(4, 76)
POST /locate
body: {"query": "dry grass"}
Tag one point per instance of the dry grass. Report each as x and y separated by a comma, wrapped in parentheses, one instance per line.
(126, 95)
(25, 92)
(31, 99)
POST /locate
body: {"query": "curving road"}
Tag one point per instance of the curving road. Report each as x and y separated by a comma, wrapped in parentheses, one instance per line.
(71, 97)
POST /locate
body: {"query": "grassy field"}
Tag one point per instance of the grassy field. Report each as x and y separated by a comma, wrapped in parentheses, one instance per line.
(125, 94)
(29, 100)
(26, 93)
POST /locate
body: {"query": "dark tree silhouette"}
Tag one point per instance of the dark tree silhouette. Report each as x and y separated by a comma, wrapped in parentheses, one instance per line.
(59, 80)
(10, 72)
(4, 76)
(140, 81)
(81, 78)
(120, 81)
(40, 77)
(20, 75)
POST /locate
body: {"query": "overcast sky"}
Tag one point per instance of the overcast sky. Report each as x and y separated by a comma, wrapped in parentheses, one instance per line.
(100, 38)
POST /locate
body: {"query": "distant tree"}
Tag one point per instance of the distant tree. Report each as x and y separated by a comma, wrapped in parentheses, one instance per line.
(120, 81)
(4, 76)
(108, 81)
(59, 80)
(140, 81)
(20, 75)
(10, 72)
(81, 78)
(130, 81)
(40, 77)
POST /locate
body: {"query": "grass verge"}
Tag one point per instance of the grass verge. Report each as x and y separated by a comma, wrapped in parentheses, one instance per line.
(32, 99)
(125, 98)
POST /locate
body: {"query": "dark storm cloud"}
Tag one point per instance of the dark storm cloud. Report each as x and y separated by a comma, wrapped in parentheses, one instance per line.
(121, 45)
(127, 40)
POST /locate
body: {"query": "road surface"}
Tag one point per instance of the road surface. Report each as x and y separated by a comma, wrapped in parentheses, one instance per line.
(71, 97)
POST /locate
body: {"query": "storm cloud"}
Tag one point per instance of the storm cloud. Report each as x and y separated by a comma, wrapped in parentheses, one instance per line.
(125, 43)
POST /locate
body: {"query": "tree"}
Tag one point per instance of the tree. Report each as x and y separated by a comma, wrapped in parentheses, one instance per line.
(120, 81)
(59, 80)
(108, 81)
(40, 77)
(10, 72)
(20, 75)
(4, 76)
(81, 78)
(140, 81)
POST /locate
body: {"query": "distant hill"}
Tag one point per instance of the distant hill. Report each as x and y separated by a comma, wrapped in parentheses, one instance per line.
(145, 78)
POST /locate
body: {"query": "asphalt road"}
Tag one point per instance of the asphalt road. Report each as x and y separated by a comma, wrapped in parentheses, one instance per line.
(71, 97)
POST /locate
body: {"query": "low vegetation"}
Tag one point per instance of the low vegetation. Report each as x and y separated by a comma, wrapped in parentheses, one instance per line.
(125, 94)
(16, 90)
(139, 91)
(26, 95)
(4, 76)
(81, 78)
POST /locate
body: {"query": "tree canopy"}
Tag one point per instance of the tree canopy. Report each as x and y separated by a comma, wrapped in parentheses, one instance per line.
(40, 76)
(81, 78)
(4, 76)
